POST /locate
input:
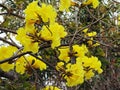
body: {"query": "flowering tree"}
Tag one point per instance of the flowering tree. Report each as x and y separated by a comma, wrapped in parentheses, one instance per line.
(57, 44)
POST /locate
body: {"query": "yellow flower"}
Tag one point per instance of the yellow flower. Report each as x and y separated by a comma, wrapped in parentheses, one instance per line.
(80, 51)
(59, 66)
(34, 13)
(64, 54)
(7, 67)
(55, 41)
(31, 12)
(47, 13)
(99, 71)
(35, 63)
(85, 30)
(95, 63)
(95, 3)
(53, 33)
(7, 52)
(90, 64)
(26, 63)
(89, 74)
(64, 5)
(74, 74)
(29, 28)
(96, 44)
(90, 41)
(91, 34)
(51, 88)
(27, 41)
(20, 65)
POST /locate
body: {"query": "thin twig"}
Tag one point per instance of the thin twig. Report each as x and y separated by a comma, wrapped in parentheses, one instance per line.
(9, 12)
(1, 5)
(77, 31)
(93, 16)
(117, 2)
(12, 44)
(13, 14)
(90, 24)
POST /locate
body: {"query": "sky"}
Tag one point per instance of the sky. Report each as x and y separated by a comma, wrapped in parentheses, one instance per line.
(1, 17)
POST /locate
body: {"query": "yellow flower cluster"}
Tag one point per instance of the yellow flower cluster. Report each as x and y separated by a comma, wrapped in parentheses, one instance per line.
(22, 64)
(74, 74)
(78, 51)
(27, 63)
(84, 67)
(35, 14)
(95, 3)
(7, 52)
(90, 36)
(32, 12)
(75, 67)
(90, 65)
(54, 33)
(26, 40)
(30, 38)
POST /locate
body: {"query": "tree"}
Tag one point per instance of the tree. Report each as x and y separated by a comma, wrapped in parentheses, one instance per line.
(59, 45)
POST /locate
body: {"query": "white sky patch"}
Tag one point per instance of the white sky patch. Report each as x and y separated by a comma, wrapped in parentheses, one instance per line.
(3, 36)
(117, 0)
(1, 20)
(1, 17)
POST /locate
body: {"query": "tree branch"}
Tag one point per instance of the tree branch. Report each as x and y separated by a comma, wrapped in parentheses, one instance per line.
(13, 14)
(7, 30)
(14, 57)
